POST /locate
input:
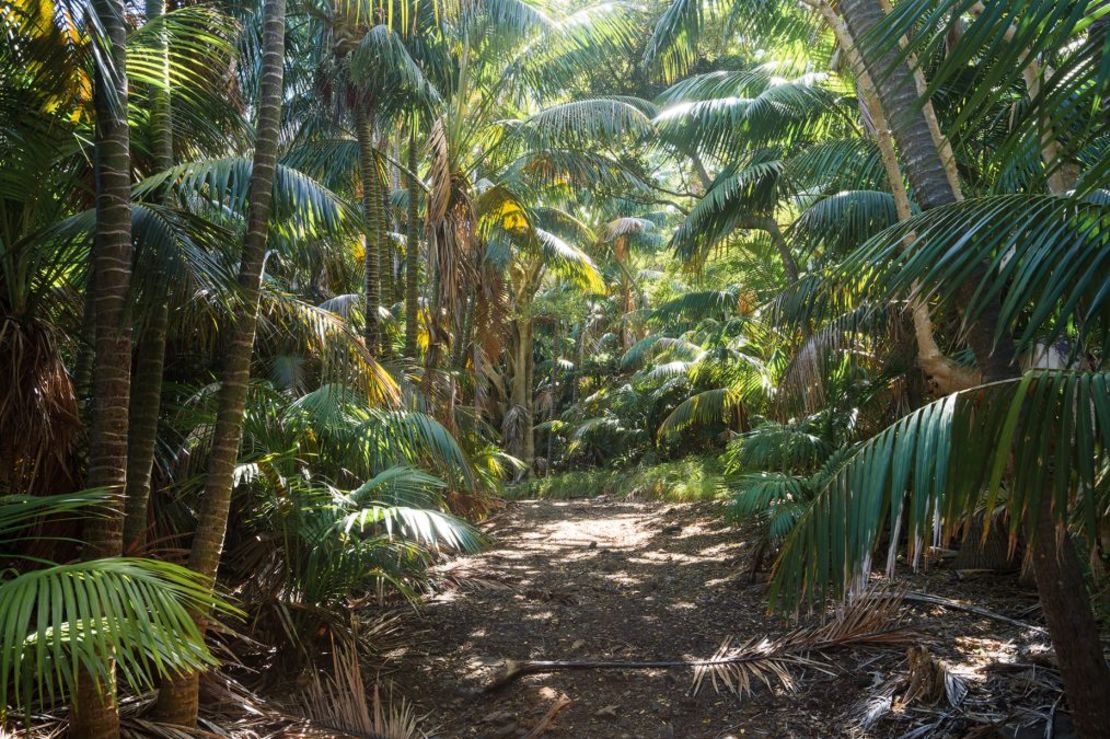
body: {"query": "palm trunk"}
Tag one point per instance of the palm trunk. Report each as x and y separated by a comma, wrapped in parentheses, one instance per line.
(178, 698)
(146, 401)
(412, 252)
(771, 226)
(1067, 611)
(949, 376)
(520, 393)
(146, 398)
(1063, 593)
(95, 713)
(929, 166)
(373, 212)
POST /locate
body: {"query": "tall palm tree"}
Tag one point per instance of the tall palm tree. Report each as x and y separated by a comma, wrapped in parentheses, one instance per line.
(146, 397)
(1004, 45)
(95, 712)
(412, 247)
(178, 698)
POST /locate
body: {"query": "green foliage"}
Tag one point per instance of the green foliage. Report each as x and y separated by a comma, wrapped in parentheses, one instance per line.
(1043, 437)
(59, 620)
(685, 480)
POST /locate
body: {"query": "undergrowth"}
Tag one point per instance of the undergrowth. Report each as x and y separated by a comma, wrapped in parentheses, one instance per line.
(690, 479)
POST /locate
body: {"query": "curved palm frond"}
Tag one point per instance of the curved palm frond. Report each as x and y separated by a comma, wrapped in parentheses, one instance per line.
(427, 527)
(1047, 260)
(60, 621)
(1046, 434)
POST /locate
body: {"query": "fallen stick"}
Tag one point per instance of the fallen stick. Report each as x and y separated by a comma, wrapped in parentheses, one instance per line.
(787, 653)
(515, 670)
(937, 600)
(562, 702)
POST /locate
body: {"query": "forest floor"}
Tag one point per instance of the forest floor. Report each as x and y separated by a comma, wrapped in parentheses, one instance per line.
(628, 579)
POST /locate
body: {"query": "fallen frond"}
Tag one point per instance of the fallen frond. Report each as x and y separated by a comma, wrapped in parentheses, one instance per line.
(870, 619)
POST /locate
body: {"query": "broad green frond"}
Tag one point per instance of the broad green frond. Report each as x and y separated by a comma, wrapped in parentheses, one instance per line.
(428, 527)
(1048, 259)
(1045, 435)
(58, 621)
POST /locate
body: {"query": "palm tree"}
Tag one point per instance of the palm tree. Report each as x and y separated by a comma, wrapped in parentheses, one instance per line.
(412, 247)
(178, 697)
(996, 38)
(146, 397)
(95, 714)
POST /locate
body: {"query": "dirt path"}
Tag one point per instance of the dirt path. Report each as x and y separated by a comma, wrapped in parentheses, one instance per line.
(595, 579)
(601, 579)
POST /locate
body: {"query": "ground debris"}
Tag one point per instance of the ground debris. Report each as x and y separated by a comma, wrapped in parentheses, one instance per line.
(646, 595)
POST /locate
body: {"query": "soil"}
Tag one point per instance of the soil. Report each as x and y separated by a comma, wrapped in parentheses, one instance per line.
(646, 580)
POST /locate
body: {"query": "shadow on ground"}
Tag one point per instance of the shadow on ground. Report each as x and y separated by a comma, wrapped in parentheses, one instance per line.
(600, 579)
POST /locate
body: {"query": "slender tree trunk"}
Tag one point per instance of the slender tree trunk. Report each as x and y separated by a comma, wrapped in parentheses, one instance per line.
(146, 397)
(95, 713)
(1067, 611)
(1060, 583)
(83, 364)
(374, 213)
(146, 402)
(771, 226)
(929, 166)
(412, 251)
(386, 246)
(528, 356)
(178, 698)
(520, 393)
(397, 288)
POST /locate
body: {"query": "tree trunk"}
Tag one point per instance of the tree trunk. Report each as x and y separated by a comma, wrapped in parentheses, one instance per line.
(177, 700)
(520, 395)
(1067, 611)
(948, 376)
(146, 398)
(771, 226)
(1060, 583)
(146, 402)
(95, 713)
(929, 166)
(412, 252)
(529, 397)
(374, 213)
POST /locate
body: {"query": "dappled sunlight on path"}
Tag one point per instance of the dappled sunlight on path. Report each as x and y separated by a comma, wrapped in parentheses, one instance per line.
(639, 580)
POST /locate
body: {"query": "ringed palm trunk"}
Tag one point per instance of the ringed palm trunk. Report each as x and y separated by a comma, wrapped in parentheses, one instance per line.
(521, 394)
(374, 213)
(412, 252)
(146, 397)
(95, 712)
(930, 170)
(178, 698)
(1060, 586)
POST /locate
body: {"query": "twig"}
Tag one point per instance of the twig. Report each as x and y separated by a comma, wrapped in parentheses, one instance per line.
(937, 600)
(516, 670)
(560, 703)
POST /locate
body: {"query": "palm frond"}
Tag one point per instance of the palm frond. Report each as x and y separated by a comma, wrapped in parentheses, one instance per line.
(61, 620)
(1047, 434)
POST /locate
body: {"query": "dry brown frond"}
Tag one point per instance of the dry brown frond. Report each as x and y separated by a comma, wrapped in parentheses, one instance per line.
(340, 702)
(38, 411)
(870, 619)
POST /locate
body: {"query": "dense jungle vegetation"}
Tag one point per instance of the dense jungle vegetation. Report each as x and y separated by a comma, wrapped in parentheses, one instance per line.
(294, 294)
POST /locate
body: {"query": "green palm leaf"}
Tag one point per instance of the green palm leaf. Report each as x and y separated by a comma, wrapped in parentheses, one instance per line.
(58, 621)
(1046, 434)
(1048, 261)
